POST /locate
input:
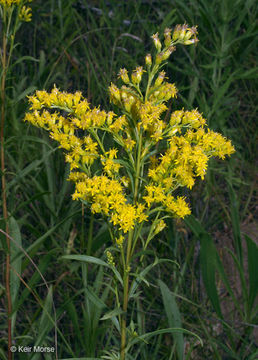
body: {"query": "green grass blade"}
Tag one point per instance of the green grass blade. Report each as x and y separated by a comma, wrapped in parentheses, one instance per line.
(252, 255)
(15, 264)
(173, 316)
(235, 222)
(208, 262)
(86, 258)
(162, 331)
(44, 324)
(112, 314)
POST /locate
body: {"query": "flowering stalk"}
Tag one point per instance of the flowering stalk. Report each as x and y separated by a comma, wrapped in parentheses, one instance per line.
(10, 25)
(138, 180)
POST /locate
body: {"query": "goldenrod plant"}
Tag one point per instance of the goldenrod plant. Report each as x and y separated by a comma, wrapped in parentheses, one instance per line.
(12, 13)
(131, 165)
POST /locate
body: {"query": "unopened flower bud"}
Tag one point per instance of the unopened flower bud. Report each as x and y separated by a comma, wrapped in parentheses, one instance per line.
(114, 92)
(128, 102)
(168, 52)
(148, 60)
(137, 75)
(160, 226)
(190, 42)
(183, 31)
(160, 78)
(123, 74)
(167, 35)
(110, 116)
(110, 258)
(159, 58)
(191, 32)
(176, 32)
(156, 41)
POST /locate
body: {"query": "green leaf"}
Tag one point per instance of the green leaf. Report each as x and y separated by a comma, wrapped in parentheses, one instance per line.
(112, 313)
(234, 212)
(252, 255)
(45, 323)
(194, 225)
(208, 260)
(86, 258)
(23, 58)
(96, 300)
(141, 276)
(162, 331)
(15, 264)
(173, 315)
(94, 260)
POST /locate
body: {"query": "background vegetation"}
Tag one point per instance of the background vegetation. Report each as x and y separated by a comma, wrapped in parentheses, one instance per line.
(81, 45)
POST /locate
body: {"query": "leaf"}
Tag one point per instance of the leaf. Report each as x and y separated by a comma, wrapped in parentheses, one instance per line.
(93, 260)
(162, 331)
(112, 313)
(194, 225)
(208, 260)
(23, 58)
(27, 91)
(235, 222)
(87, 259)
(15, 264)
(141, 276)
(45, 323)
(252, 255)
(174, 317)
(94, 298)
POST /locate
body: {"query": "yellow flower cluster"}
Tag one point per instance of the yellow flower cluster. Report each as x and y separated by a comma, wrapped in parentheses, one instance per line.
(146, 112)
(9, 3)
(25, 14)
(107, 197)
(155, 153)
(24, 11)
(158, 194)
(110, 258)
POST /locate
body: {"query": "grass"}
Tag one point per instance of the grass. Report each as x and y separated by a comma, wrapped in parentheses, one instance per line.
(82, 45)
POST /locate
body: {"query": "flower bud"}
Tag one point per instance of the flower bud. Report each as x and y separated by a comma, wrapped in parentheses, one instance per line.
(160, 226)
(159, 58)
(183, 31)
(160, 78)
(137, 75)
(167, 35)
(148, 60)
(176, 32)
(128, 102)
(156, 41)
(190, 42)
(168, 52)
(123, 74)
(114, 92)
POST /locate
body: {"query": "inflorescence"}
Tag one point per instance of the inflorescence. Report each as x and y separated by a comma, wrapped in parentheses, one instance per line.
(156, 153)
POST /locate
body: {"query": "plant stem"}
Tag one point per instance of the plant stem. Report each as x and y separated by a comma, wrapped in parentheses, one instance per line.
(90, 234)
(125, 296)
(128, 253)
(5, 212)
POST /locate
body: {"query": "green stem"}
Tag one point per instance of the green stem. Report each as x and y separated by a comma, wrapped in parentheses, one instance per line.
(138, 169)
(151, 76)
(129, 253)
(90, 234)
(125, 295)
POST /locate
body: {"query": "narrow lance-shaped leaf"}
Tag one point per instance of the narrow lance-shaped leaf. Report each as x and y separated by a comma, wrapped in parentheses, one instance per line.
(173, 316)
